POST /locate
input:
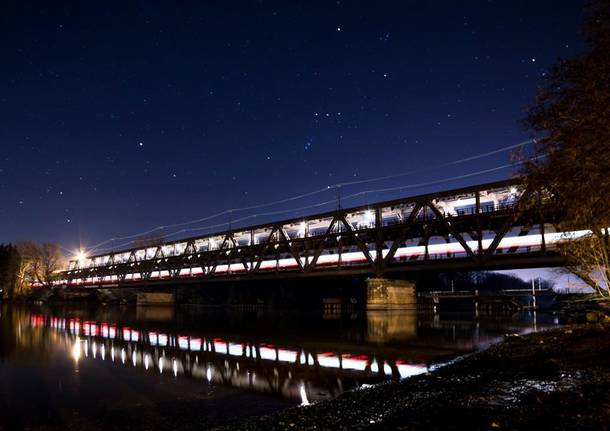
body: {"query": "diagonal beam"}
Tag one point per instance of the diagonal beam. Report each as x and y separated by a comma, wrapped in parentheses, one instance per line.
(293, 252)
(358, 241)
(457, 235)
(318, 251)
(401, 236)
(510, 221)
(158, 253)
(264, 250)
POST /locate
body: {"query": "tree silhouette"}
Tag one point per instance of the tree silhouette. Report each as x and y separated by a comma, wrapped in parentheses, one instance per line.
(571, 118)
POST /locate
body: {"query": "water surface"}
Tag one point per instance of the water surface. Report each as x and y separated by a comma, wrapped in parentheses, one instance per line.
(94, 368)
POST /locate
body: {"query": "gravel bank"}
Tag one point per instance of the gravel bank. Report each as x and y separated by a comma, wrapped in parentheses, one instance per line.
(558, 379)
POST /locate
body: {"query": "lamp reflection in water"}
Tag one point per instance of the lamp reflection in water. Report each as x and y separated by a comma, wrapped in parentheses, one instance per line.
(76, 350)
(304, 400)
(296, 372)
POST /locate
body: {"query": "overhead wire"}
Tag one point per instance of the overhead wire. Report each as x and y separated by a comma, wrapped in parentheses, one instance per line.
(308, 194)
(347, 197)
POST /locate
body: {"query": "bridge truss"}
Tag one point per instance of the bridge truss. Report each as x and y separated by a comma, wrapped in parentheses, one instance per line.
(480, 227)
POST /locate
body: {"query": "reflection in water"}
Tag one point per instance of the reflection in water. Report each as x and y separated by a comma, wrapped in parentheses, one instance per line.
(76, 350)
(302, 358)
(294, 372)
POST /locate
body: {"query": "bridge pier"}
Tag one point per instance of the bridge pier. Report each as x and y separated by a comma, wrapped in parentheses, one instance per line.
(385, 326)
(384, 294)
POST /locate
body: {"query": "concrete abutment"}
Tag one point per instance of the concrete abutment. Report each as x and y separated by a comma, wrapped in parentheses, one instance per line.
(385, 294)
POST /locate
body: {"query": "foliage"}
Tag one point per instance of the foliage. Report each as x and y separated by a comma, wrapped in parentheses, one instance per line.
(40, 263)
(588, 258)
(571, 117)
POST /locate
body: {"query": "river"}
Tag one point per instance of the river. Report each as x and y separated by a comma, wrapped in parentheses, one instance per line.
(84, 367)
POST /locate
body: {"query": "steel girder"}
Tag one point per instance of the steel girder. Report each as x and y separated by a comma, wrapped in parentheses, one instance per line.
(375, 246)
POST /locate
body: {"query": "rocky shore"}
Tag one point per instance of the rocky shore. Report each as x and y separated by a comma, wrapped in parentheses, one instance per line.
(557, 379)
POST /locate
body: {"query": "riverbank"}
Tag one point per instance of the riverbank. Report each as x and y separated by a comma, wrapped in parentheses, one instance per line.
(557, 379)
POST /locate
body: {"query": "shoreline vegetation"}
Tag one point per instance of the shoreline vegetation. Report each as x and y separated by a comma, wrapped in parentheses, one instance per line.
(557, 379)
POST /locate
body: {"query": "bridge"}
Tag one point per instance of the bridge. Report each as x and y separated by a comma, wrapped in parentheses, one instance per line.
(478, 227)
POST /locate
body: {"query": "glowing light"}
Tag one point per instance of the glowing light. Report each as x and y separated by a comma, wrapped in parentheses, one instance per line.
(328, 361)
(387, 369)
(195, 344)
(406, 370)
(81, 257)
(76, 350)
(354, 363)
(287, 355)
(303, 393)
(236, 349)
(183, 342)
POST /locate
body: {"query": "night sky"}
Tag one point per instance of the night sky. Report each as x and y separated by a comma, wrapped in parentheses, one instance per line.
(116, 117)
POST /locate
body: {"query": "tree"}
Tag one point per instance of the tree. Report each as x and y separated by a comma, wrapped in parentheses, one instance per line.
(571, 117)
(10, 261)
(40, 263)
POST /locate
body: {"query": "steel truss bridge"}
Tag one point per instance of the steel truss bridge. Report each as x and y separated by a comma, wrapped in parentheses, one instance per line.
(480, 227)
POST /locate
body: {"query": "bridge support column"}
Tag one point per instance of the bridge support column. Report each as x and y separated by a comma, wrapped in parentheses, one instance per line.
(384, 294)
